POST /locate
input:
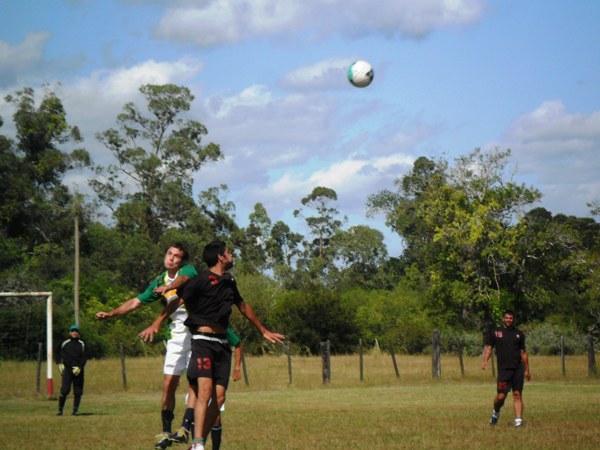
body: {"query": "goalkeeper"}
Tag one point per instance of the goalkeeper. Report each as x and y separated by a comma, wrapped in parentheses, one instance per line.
(71, 363)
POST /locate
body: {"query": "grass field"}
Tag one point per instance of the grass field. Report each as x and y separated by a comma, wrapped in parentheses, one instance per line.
(381, 412)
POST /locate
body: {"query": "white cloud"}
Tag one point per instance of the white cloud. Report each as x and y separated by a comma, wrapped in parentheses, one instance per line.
(556, 151)
(352, 179)
(19, 58)
(323, 74)
(212, 23)
(550, 121)
(227, 22)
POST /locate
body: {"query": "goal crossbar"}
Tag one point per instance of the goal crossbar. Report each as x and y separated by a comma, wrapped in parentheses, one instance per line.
(49, 345)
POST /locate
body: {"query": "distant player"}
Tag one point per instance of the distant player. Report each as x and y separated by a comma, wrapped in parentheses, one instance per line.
(513, 365)
(71, 365)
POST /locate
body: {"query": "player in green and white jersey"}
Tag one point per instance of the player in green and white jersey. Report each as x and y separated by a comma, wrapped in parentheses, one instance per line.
(164, 287)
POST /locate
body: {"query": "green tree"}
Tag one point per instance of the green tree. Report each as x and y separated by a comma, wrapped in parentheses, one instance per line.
(319, 257)
(149, 188)
(316, 314)
(402, 210)
(36, 216)
(459, 223)
(361, 253)
(256, 252)
(221, 213)
(324, 223)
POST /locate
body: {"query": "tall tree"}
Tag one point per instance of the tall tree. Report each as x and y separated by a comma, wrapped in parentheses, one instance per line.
(460, 225)
(361, 253)
(221, 211)
(157, 152)
(402, 208)
(36, 204)
(256, 251)
(318, 257)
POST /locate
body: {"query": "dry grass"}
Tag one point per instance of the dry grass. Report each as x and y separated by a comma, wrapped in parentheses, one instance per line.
(381, 412)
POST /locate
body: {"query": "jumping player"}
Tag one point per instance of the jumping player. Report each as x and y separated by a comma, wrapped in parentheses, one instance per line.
(208, 298)
(164, 286)
(183, 434)
(513, 365)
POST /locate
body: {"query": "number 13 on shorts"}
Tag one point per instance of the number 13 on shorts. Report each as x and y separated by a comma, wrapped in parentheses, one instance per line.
(204, 363)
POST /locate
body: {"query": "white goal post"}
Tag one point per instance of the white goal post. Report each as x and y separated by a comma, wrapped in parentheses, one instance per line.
(49, 345)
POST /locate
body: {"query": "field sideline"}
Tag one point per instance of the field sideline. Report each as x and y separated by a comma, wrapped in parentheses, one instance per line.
(381, 412)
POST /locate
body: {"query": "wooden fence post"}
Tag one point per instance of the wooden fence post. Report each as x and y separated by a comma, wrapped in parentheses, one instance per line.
(562, 356)
(460, 359)
(325, 347)
(436, 368)
(123, 371)
(289, 359)
(394, 362)
(591, 357)
(360, 358)
(245, 369)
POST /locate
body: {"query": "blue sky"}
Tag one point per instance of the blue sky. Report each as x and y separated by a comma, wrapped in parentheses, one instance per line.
(269, 81)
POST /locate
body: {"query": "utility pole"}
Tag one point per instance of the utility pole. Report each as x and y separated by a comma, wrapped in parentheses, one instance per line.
(76, 281)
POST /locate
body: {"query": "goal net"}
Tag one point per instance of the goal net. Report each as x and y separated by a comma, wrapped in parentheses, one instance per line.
(26, 321)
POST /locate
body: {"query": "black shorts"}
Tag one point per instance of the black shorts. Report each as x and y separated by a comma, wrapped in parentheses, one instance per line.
(511, 379)
(209, 359)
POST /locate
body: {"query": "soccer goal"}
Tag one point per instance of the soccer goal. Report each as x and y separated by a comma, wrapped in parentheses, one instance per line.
(22, 314)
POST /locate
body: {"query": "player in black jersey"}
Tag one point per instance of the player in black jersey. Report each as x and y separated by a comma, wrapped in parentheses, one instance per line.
(208, 298)
(513, 365)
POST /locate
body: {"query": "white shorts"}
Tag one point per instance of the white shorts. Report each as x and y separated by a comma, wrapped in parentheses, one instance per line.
(179, 350)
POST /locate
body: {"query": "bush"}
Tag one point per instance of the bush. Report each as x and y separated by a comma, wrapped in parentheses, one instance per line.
(544, 339)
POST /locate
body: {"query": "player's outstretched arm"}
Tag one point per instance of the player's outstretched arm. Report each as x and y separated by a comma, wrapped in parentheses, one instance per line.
(248, 312)
(148, 333)
(176, 283)
(125, 308)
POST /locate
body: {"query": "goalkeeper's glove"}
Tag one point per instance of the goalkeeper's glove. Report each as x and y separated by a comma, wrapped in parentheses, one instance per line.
(61, 367)
(76, 370)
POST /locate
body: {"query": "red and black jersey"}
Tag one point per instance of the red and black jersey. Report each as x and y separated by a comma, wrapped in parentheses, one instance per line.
(208, 298)
(508, 342)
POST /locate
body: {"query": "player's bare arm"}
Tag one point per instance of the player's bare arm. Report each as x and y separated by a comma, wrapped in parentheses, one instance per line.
(248, 312)
(125, 308)
(148, 334)
(176, 283)
(525, 360)
(237, 362)
(486, 356)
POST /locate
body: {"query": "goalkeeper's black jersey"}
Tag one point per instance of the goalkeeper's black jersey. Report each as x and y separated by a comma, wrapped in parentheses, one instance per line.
(72, 353)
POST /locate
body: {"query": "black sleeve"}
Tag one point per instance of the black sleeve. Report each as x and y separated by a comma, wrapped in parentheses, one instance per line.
(83, 355)
(187, 289)
(236, 294)
(490, 338)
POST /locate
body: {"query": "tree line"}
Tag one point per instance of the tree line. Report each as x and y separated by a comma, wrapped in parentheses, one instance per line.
(474, 244)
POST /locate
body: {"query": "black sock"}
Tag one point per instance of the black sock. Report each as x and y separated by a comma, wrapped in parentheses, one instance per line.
(167, 419)
(188, 419)
(61, 402)
(76, 402)
(215, 436)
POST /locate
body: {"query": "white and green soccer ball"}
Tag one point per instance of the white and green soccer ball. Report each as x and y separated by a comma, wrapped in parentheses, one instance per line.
(360, 74)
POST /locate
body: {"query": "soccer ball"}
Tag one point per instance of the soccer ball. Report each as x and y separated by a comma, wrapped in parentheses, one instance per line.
(360, 74)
